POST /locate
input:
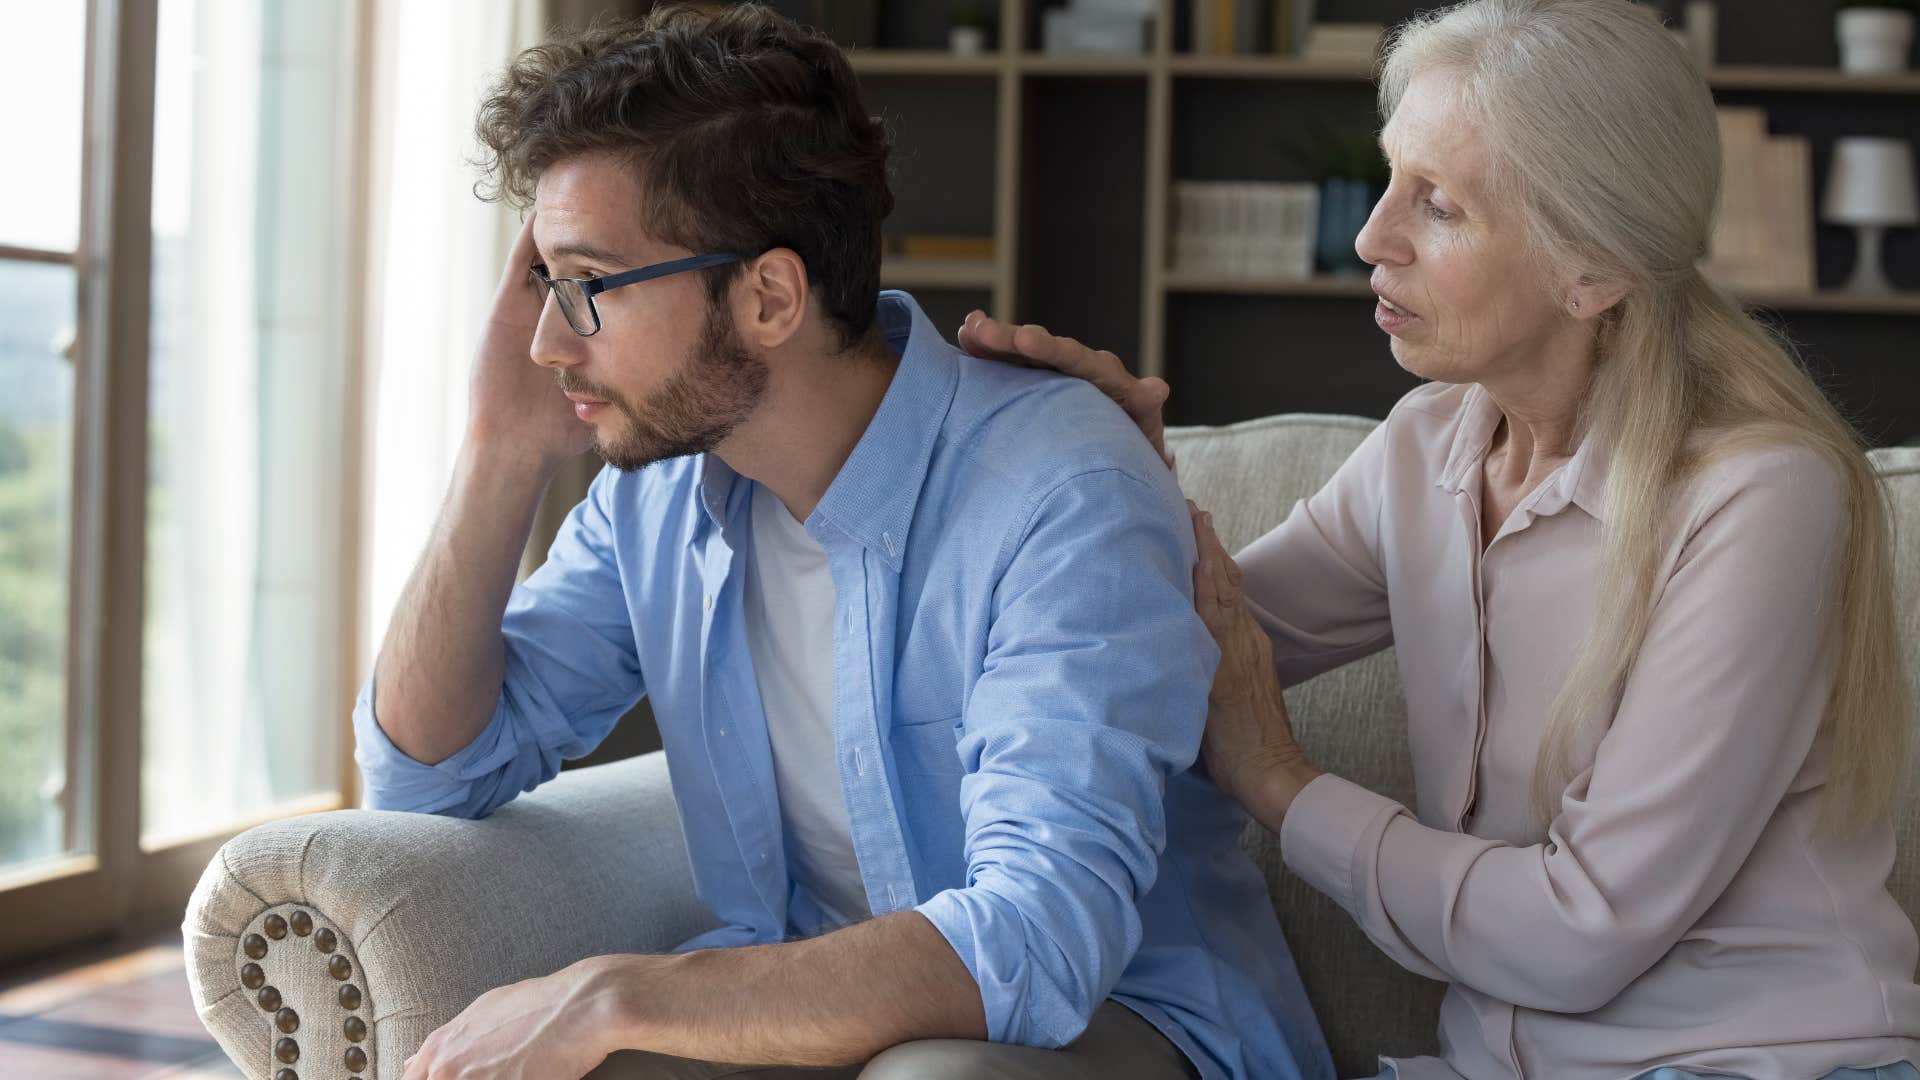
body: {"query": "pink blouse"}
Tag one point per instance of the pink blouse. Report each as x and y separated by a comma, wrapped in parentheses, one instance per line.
(1681, 909)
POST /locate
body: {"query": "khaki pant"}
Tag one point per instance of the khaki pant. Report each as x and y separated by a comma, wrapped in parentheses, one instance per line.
(1117, 1045)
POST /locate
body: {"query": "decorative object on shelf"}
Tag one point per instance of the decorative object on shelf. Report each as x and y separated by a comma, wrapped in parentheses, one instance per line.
(1345, 205)
(1763, 234)
(1870, 186)
(968, 24)
(849, 22)
(1244, 228)
(1343, 43)
(1875, 35)
(943, 246)
(1099, 27)
(1703, 31)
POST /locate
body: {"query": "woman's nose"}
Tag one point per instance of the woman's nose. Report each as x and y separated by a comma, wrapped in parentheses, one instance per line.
(1381, 242)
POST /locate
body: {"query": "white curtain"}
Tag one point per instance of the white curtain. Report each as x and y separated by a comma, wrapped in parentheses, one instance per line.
(249, 278)
(436, 256)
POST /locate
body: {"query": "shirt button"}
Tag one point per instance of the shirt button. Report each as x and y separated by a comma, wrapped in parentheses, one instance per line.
(709, 601)
(859, 762)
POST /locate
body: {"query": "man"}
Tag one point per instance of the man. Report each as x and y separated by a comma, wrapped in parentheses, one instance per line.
(917, 629)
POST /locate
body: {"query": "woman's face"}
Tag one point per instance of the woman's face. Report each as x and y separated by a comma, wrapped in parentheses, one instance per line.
(1463, 300)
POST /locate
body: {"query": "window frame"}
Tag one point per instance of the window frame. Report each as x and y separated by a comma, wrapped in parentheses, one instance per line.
(121, 887)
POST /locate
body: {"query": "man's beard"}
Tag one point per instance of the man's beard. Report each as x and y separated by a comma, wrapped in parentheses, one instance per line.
(714, 389)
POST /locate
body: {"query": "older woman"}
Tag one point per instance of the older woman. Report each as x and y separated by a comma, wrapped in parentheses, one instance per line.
(1637, 574)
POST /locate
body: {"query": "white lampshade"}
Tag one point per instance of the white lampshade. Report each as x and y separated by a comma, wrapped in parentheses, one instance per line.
(1871, 183)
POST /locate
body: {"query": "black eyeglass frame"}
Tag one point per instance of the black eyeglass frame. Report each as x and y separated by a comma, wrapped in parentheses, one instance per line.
(594, 286)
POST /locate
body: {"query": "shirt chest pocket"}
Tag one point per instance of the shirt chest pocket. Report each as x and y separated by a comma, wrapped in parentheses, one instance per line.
(927, 762)
(927, 747)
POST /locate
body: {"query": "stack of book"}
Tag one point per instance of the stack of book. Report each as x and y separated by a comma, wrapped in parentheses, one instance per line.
(1249, 27)
(1343, 43)
(1276, 28)
(1763, 236)
(1244, 228)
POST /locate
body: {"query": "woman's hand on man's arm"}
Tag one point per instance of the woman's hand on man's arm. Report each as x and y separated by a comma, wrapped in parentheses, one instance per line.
(1032, 346)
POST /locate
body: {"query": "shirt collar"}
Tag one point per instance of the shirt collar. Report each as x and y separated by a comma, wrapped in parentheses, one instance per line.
(873, 496)
(1581, 481)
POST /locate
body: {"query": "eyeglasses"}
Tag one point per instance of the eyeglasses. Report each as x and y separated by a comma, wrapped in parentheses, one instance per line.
(576, 294)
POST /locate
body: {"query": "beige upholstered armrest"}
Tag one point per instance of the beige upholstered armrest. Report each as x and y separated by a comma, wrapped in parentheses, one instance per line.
(305, 933)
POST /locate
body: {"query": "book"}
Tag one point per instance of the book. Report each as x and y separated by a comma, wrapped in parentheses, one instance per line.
(1281, 18)
(1789, 173)
(1244, 228)
(1763, 229)
(1224, 22)
(1344, 42)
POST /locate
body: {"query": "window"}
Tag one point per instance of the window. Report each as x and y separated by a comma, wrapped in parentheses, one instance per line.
(178, 348)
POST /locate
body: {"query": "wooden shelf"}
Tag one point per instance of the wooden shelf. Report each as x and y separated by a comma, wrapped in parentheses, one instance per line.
(923, 272)
(938, 63)
(1905, 302)
(1841, 301)
(1724, 77)
(929, 62)
(1811, 80)
(1318, 285)
(1194, 65)
(1085, 64)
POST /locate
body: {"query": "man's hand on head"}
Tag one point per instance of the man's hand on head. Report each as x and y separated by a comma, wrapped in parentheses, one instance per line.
(515, 406)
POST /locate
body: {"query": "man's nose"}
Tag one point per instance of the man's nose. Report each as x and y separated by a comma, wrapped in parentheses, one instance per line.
(555, 345)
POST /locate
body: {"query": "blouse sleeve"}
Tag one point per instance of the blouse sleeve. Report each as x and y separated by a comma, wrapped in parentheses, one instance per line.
(1315, 582)
(1714, 723)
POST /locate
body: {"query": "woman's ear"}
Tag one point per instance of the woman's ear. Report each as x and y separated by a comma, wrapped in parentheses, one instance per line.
(771, 299)
(1592, 299)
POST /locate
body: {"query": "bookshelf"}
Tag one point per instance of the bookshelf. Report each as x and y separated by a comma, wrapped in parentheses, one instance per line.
(1070, 160)
(1833, 300)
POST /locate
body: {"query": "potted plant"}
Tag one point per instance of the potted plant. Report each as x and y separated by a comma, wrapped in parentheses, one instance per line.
(1875, 35)
(968, 22)
(1352, 176)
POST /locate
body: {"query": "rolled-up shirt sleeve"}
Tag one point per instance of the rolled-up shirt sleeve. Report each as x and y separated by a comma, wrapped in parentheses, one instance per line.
(1714, 722)
(572, 670)
(1093, 695)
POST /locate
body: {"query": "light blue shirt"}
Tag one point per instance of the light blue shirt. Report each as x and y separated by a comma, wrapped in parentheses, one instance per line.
(1020, 684)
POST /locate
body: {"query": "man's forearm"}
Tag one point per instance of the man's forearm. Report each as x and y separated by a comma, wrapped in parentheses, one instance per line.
(832, 1000)
(440, 668)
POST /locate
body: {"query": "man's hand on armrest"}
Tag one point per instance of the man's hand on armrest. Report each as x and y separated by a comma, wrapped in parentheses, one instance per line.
(838, 999)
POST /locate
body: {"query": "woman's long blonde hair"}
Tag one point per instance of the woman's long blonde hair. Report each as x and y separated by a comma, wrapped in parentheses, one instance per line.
(1603, 137)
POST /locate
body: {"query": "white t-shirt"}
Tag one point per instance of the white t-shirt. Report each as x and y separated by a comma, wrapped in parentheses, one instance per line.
(789, 602)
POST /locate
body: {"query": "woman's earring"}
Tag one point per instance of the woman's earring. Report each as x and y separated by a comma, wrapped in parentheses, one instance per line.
(1576, 303)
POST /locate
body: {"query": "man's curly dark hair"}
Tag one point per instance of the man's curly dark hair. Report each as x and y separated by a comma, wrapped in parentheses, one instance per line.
(746, 130)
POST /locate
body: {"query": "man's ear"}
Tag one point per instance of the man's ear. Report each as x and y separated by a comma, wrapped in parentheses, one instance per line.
(770, 299)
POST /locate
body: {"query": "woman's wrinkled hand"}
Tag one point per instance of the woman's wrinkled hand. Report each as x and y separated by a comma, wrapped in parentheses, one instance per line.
(1249, 749)
(1032, 346)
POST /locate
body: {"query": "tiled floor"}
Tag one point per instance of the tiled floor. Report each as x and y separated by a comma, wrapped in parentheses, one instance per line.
(116, 1013)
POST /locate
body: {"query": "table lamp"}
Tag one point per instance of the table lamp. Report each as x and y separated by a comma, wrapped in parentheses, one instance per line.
(1870, 186)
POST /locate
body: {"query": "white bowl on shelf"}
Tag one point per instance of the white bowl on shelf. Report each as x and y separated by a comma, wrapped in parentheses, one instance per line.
(1874, 41)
